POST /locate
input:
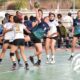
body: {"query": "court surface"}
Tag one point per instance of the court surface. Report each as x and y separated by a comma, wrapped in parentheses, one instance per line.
(61, 70)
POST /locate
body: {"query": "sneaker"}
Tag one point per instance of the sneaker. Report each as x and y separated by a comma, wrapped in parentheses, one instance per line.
(37, 63)
(0, 61)
(26, 66)
(70, 58)
(14, 66)
(52, 61)
(31, 59)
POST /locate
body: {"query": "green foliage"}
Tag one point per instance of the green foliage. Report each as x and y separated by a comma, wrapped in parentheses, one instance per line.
(21, 4)
(2, 2)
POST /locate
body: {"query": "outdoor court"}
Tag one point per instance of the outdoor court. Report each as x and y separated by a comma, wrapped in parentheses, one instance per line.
(61, 70)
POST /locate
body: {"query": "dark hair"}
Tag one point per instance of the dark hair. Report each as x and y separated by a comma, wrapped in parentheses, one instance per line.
(69, 14)
(51, 14)
(32, 18)
(40, 10)
(17, 12)
(7, 14)
(59, 22)
(59, 15)
(2, 22)
(16, 19)
(25, 17)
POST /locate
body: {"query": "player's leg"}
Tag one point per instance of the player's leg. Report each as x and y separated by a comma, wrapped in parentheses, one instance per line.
(4, 48)
(22, 48)
(47, 48)
(12, 56)
(38, 47)
(73, 47)
(53, 50)
(18, 58)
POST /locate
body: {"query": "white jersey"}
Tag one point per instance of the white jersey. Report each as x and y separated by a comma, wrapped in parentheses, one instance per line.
(18, 31)
(53, 28)
(9, 35)
(68, 21)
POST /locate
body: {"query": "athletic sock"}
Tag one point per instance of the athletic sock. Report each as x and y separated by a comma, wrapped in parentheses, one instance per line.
(38, 62)
(72, 54)
(48, 56)
(0, 60)
(14, 63)
(26, 65)
(18, 60)
(53, 56)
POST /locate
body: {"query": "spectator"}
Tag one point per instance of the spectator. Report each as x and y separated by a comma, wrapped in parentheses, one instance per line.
(6, 19)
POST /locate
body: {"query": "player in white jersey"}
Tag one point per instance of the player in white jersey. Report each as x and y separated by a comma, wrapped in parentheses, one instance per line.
(8, 39)
(18, 41)
(51, 38)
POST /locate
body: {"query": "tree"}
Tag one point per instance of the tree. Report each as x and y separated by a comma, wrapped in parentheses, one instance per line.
(2, 2)
(21, 4)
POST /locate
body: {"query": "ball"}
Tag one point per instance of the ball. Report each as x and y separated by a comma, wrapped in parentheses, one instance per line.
(36, 4)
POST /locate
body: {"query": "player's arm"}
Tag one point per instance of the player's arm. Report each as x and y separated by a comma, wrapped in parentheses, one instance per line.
(73, 26)
(34, 23)
(72, 29)
(26, 29)
(6, 30)
(38, 16)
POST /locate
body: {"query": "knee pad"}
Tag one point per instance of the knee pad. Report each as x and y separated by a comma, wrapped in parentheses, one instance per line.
(11, 54)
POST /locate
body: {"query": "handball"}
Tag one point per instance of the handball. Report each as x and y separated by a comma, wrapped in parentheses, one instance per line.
(36, 4)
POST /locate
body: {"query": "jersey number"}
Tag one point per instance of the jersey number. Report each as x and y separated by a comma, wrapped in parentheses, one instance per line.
(17, 28)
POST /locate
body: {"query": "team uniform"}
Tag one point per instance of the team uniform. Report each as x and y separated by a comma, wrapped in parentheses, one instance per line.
(1, 34)
(9, 36)
(38, 32)
(19, 34)
(53, 29)
(1, 29)
(76, 25)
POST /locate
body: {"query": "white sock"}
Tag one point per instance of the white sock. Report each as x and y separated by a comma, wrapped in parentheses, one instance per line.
(72, 54)
(53, 56)
(48, 56)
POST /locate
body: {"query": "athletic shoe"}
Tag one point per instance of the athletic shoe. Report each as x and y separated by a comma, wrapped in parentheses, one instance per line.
(0, 61)
(52, 61)
(31, 59)
(37, 63)
(26, 66)
(14, 66)
(70, 58)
